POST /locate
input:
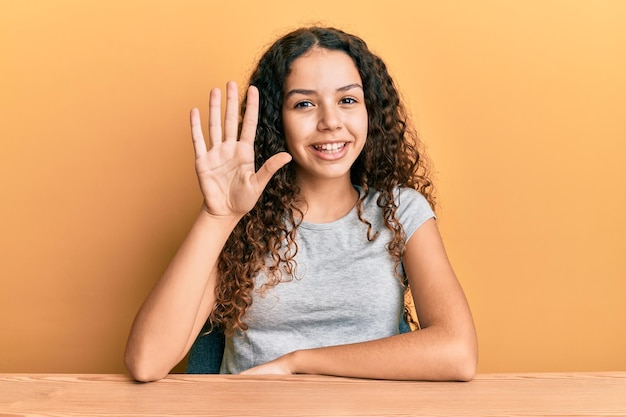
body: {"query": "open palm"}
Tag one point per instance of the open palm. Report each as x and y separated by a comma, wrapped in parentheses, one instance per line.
(229, 184)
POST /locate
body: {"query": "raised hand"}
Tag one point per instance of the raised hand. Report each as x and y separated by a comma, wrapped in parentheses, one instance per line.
(225, 171)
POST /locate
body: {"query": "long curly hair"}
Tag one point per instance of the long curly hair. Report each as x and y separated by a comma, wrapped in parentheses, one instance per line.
(391, 158)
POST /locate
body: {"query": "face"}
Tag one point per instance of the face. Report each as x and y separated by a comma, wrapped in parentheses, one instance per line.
(324, 115)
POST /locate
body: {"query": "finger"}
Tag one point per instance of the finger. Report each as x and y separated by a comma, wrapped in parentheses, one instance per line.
(269, 168)
(251, 117)
(199, 146)
(231, 120)
(215, 117)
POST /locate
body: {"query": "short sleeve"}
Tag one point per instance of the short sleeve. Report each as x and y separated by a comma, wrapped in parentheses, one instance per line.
(413, 210)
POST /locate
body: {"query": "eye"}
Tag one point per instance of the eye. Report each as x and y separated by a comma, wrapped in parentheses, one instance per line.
(303, 104)
(348, 100)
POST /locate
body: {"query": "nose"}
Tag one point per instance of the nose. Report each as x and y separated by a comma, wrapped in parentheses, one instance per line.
(329, 118)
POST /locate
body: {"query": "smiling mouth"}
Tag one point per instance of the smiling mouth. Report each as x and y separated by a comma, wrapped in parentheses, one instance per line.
(330, 147)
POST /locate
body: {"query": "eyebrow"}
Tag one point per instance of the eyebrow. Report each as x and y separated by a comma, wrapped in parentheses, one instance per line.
(309, 92)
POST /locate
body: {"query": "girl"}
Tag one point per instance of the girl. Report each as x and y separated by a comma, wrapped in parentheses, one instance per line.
(317, 217)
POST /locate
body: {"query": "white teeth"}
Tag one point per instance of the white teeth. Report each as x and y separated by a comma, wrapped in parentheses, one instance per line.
(330, 147)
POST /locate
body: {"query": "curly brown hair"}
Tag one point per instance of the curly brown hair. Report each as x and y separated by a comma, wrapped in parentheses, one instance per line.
(391, 158)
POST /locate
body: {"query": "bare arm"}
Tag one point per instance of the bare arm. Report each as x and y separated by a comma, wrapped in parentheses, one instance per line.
(175, 310)
(444, 349)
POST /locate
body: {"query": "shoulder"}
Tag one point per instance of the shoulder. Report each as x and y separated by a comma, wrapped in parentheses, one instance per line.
(404, 197)
(409, 196)
(413, 209)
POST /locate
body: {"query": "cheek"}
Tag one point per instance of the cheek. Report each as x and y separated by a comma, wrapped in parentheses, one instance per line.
(297, 129)
(292, 139)
(288, 131)
(364, 124)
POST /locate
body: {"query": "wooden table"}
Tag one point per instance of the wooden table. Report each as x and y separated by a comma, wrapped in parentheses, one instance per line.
(564, 394)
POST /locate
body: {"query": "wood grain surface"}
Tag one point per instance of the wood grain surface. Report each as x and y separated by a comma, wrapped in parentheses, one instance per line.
(548, 394)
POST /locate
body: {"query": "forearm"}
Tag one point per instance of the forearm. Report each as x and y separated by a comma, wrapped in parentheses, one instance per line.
(429, 354)
(180, 302)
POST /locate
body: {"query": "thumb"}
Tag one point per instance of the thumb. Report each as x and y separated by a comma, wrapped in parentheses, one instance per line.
(269, 168)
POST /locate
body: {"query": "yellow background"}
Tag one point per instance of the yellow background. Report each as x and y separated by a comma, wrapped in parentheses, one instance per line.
(521, 104)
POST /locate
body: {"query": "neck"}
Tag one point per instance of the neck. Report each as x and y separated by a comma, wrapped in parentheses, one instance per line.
(327, 201)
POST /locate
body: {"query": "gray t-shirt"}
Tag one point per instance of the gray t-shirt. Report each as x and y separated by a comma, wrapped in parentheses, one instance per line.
(345, 290)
